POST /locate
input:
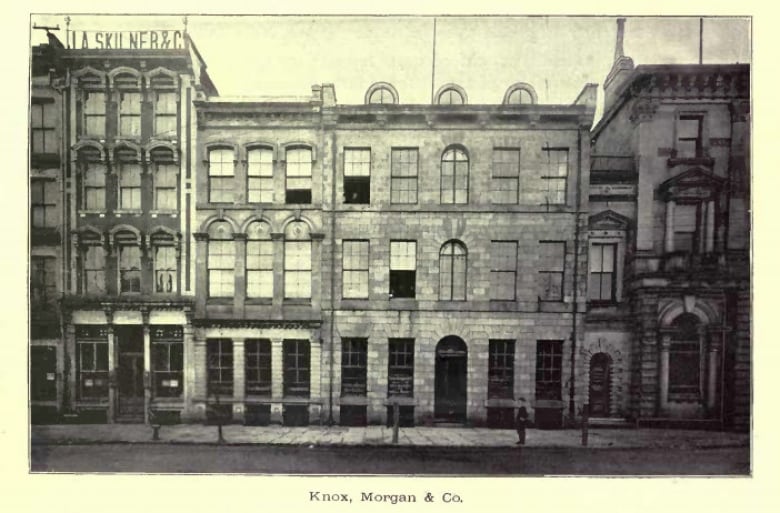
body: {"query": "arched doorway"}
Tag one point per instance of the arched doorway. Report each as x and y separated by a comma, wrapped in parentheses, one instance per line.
(450, 386)
(598, 395)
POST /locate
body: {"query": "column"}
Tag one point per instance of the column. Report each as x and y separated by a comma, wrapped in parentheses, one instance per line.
(713, 362)
(188, 366)
(199, 387)
(112, 384)
(240, 276)
(669, 236)
(147, 365)
(278, 245)
(315, 381)
(239, 380)
(663, 374)
(277, 380)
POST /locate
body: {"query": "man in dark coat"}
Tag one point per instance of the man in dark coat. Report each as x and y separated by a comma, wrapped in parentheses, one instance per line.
(520, 421)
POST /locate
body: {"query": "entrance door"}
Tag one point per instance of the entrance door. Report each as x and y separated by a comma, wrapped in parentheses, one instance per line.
(599, 385)
(130, 374)
(450, 386)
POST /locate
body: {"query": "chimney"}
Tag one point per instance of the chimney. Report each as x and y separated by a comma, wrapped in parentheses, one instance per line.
(621, 68)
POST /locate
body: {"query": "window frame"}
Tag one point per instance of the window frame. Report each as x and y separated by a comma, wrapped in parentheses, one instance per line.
(45, 208)
(259, 360)
(289, 196)
(501, 368)
(354, 367)
(453, 272)
(158, 113)
(400, 365)
(354, 270)
(256, 174)
(698, 140)
(494, 271)
(43, 279)
(84, 248)
(392, 290)
(123, 166)
(88, 114)
(612, 298)
(449, 91)
(122, 115)
(166, 242)
(256, 240)
(496, 178)
(549, 177)
(122, 245)
(227, 258)
(396, 178)
(38, 126)
(97, 372)
(452, 188)
(170, 338)
(361, 180)
(224, 194)
(546, 270)
(169, 164)
(218, 352)
(93, 174)
(548, 383)
(296, 364)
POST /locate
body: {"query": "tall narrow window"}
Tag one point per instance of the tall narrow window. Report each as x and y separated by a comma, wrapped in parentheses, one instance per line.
(129, 264)
(166, 185)
(354, 262)
(505, 183)
(501, 369)
(689, 136)
(92, 377)
(298, 184)
(686, 224)
(43, 280)
(549, 364)
(219, 367)
(259, 261)
(257, 354)
(165, 109)
(454, 177)
(297, 261)
(94, 114)
(129, 185)
(685, 356)
(167, 360)
(452, 271)
(165, 263)
(403, 268)
(43, 122)
(43, 203)
(357, 175)
(260, 175)
(403, 175)
(551, 265)
(94, 181)
(94, 268)
(400, 367)
(221, 260)
(353, 366)
(503, 273)
(556, 175)
(221, 182)
(130, 114)
(297, 358)
(602, 272)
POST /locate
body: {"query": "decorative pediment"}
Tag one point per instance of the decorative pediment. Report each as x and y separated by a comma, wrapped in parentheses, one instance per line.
(608, 220)
(695, 183)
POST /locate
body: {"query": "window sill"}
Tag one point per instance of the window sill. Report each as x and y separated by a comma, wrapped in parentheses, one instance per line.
(265, 301)
(353, 400)
(219, 300)
(172, 213)
(127, 212)
(401, 400)
(92, 212)
(297, 302)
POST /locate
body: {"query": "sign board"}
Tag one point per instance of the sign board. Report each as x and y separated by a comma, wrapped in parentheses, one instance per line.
(126, 40)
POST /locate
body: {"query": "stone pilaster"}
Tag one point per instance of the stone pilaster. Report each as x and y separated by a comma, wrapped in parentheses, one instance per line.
(239, 380)
(663, 374)
(277, 380)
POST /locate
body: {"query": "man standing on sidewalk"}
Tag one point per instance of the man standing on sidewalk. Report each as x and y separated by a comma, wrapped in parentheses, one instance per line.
(520, 421)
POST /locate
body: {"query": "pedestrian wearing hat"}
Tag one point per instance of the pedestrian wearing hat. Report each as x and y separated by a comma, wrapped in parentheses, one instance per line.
(520, 421)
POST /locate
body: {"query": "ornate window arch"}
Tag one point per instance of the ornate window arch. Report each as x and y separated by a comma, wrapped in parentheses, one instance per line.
(452, 271)
(221, 260)
(455, 175)
(259, 260)
(381, 93)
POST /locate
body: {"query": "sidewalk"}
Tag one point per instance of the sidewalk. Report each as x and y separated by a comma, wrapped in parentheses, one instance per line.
(382, 436)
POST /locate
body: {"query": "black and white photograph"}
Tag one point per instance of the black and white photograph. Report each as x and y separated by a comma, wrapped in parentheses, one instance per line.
(390, 245)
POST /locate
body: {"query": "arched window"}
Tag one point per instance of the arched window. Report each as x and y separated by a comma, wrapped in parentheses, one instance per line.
(93, 179)
(452, 271)
(165, 262)
(381, 93)
(260, 175)
(221, 183)
(129, 182)
(520, 94)
(94, 113)
(259, 261)
(129, 262)
(685, 355)
(451, 96)
(165, 175)
(454, 176)
(221, 260)
(93, 263)
(298, 168)
(297, 261)
(129, 114)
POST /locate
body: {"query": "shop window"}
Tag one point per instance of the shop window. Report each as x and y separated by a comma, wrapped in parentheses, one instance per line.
(452, 271)
(259, 261)
(43, 280)
(257, 356)
(501, 369)
(503, 272)
(403, 175)
(403, 268)
(400, 368)
(454, 177)
(354, 263)
(221, 260)
(167, 360)
(552, 256)
(549, 365)
(43, 128)
(92, 377)
(260, 175)
(219, 367)
(221, 175)
(129, 114)
(43, 373)
(357, 175)
(556, 174)
(689, 136)
(94, 114)
(602, 263)
(505, 180)
(166, 190)
(353, 366)
(298, 175)
(297, 361)
(165, 111)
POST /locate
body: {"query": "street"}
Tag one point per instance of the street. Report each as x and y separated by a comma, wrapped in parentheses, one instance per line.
(264, 459)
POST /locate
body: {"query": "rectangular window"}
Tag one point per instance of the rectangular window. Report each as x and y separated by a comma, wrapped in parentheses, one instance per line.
(167, 360)
(257, 354)
(43, 123)
(129, 269)
(602, 272)
(403, 175)
(95, 114)
(353, 366)
(43, 279)
(297, 269)
(129, 114)
(556, 175)
(552, 255)
(297, 360)
(400, 367)
(219, 366)
(43, 203)
(503, 273)
(686, 222)
(357, 175)
(403, 268)
(165, 186)
(689, 136)
(501, 369)
(259, 269)
(94, 186)
(260, 175)
(129, 186)
(549, 362)
(505, 183)
(94, 265)
(43, 373)
(354, 262)
(221, 182)
(93, 369)
(165, 110)
(298, 185)
(165, 269)
(221, 268)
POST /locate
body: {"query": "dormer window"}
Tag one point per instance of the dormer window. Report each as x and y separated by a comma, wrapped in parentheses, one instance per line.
(451, 97)
(520, 94)
(381, 93)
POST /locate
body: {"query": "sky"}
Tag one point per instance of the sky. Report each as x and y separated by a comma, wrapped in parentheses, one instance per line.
(284, 55)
